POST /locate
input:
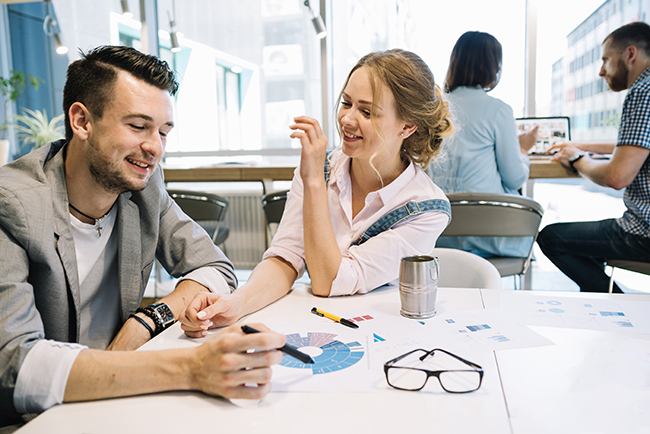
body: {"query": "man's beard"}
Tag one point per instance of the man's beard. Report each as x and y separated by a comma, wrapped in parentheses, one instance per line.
(109, 175)
(618, 81)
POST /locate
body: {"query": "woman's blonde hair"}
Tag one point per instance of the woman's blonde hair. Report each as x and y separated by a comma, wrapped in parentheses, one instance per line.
(418, 100)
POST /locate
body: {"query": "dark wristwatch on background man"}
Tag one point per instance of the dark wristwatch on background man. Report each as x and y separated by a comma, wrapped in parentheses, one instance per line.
(575, 157)
(161, 315)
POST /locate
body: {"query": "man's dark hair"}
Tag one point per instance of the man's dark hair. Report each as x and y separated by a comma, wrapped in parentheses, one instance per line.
(637, 34)
(475, 61)
(91, 79)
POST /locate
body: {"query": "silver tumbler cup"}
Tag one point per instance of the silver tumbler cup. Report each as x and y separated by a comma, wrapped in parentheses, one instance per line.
(418, 286)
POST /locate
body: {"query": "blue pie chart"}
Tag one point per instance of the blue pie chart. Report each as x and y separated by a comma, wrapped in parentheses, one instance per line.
(329, 353)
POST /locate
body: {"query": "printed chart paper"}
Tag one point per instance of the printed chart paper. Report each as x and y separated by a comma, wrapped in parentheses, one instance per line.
(342, 357)
(481, 329)
(392, 335)
(592, 314)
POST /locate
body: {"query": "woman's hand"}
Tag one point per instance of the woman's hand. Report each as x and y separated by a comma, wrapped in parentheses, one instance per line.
(528, 139)
(208, 310)
(314, 147)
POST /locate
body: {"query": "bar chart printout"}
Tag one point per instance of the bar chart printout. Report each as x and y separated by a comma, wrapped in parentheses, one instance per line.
(593, 314)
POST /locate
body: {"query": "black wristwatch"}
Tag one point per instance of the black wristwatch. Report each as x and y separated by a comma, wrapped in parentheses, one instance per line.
(575, 157)
(161, 315)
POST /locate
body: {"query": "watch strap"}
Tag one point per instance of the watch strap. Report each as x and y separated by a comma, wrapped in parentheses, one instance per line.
(575, 157)
(144, 323)
(153, 312)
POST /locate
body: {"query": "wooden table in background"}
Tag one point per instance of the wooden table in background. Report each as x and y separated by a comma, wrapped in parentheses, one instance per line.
(540, 168)
(229, 174)
(543, 168)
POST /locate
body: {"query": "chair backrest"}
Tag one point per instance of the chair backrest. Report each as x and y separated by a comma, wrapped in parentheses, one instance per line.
(273, 204)
(460, 269)
(493, 215)
(207, 209)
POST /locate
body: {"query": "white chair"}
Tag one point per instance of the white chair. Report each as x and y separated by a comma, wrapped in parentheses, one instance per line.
(461, 269)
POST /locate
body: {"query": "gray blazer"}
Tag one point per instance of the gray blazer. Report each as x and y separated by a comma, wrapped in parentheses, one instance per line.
(39, 288)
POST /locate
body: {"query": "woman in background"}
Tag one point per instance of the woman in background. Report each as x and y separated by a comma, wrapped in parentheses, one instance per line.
(391, 120)
(485, 155)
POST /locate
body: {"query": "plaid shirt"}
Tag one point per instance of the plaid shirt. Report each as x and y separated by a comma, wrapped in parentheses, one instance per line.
(635, 130)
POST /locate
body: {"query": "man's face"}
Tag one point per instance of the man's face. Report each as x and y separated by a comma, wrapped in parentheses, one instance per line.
(614, 69)
(127, 143)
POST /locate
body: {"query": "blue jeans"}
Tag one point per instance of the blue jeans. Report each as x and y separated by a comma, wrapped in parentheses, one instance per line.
(580, 250)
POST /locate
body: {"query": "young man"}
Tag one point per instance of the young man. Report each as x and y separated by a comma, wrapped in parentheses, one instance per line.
(580, 249)
(81, 222)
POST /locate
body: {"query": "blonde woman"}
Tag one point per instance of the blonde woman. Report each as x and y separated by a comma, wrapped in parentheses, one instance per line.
(350, 223)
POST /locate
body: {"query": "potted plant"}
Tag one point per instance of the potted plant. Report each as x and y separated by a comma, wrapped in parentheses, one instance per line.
(33, 128)
(11, 89)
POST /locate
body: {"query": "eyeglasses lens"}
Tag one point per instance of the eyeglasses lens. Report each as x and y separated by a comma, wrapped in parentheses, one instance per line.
(406, 378)
(460, 381)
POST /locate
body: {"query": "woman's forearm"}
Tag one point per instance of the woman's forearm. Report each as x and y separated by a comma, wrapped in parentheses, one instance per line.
(270, 280)
(322, 253)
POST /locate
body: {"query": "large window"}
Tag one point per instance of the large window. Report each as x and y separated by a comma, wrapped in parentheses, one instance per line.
(430, 29)
(247, 67)
(570, 54)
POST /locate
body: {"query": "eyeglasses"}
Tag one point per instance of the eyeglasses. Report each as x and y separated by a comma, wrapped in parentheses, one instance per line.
(414, 377)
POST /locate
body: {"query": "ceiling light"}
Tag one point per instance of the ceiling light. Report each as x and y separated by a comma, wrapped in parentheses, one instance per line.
(60, 48)
(175, 45)
(50, 27)
(317, 21)
(125, 9)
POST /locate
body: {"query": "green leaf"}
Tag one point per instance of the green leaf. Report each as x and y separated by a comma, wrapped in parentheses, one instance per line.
(34, 128)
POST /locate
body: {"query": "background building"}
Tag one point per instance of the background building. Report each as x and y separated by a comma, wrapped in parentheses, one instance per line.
(577, 90)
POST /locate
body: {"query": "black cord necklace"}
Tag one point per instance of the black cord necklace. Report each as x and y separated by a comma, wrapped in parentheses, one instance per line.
(98, 221)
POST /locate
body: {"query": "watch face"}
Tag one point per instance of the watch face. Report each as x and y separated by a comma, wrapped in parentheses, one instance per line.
(164, 312)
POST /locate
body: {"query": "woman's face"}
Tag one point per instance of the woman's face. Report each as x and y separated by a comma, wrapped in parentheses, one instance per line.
(360, 140)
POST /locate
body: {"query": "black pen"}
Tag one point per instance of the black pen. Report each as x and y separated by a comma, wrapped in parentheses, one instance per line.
(287, 349)
(345, 322)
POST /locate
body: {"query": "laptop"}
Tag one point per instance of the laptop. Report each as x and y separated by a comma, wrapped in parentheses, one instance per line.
(552, 130)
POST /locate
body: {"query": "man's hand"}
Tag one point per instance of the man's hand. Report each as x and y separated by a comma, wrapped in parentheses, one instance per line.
(224, 366)
(231, 364)
(564, 151)
(208, 310)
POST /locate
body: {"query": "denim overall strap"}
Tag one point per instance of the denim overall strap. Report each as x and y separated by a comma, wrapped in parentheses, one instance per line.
(327, 168)
(405, 212)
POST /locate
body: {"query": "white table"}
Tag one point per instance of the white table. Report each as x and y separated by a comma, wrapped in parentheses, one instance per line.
(588, 382)
(584, 383)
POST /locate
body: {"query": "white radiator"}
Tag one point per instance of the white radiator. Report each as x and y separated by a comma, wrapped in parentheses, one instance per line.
(245, 219)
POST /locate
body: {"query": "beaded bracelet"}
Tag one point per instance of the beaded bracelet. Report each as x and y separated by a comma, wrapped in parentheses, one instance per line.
(144, 323)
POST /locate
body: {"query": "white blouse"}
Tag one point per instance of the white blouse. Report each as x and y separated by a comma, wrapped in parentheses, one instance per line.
(375, 262)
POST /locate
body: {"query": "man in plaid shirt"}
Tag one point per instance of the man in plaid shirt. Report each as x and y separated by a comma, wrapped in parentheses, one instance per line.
(580, 249)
